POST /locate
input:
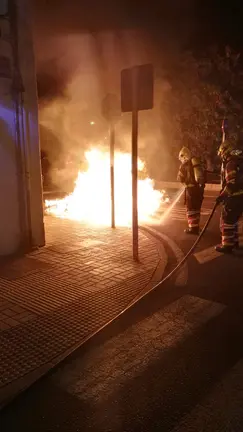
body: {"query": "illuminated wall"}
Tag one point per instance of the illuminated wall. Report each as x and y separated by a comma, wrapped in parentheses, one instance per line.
(21, 213)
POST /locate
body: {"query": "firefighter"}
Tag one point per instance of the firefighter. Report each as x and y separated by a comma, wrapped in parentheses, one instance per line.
(231, 195)
(192, 175)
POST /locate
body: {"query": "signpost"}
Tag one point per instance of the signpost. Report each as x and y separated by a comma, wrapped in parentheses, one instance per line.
(110, 110)
(136, 95)
(135, 165)
(112, 175)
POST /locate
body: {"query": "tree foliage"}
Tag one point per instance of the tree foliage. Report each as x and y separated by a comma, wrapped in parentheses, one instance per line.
(199, 93)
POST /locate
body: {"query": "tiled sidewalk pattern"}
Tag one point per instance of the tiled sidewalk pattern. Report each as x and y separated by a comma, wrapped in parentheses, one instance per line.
(12, 315)
(53, 299)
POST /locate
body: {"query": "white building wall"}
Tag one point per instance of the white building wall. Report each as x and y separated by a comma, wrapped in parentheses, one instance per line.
(30, 121)
(21, 214)
(10, 235)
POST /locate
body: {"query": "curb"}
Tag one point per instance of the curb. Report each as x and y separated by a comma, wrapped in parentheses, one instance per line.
(13, 390)
(176, 185)
(182, 276)
(161, 267)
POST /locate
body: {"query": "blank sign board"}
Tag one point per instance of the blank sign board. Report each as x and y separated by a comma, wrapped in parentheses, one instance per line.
(137, 88)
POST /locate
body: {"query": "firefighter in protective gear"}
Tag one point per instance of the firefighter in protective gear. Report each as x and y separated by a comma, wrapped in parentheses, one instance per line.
(231, 195)
(192, 175)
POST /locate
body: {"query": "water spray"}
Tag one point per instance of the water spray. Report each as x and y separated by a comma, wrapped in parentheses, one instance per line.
(195, 244)
(171, 207)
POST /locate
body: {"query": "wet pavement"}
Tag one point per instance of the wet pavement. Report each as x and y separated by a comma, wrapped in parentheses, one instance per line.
(171, 363)
(52, 300)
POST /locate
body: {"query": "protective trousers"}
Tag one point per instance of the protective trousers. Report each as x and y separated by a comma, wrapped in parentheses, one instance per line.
(231, 212)
(194, 199)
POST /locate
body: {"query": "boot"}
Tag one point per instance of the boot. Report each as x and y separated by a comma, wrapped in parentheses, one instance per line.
(224, 248)
(194, 231)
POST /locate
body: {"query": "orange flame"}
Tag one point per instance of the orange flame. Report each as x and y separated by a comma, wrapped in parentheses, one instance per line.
(91, 199)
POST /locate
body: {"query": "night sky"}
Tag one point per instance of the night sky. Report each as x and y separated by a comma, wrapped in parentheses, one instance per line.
(220, 22)
(81, 47)
(184, 24)
(189, 22)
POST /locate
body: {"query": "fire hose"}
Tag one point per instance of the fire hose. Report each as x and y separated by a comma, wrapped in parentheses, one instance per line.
(175, 270)
(183, 261)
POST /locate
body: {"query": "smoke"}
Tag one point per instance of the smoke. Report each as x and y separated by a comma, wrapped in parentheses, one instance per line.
(79, 59)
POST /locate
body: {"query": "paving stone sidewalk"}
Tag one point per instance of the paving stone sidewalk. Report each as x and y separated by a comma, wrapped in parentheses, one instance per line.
(52, 300)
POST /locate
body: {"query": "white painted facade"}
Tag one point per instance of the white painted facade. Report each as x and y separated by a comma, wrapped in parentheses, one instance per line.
(21, 215)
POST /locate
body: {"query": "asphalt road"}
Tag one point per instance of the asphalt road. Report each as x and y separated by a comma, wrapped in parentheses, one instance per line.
(219, 279)
(173, 363)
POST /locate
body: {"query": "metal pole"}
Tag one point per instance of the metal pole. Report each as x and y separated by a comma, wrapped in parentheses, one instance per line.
(112, 176)
(224, 123)
(135, 170)
(223, 130)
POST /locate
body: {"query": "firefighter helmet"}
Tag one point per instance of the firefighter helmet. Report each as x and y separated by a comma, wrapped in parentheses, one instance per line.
(184, 155)
(225, 149)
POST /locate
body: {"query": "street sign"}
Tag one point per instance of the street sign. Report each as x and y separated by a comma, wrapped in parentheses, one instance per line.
(110, 107)
(136, 94)
(144, 88)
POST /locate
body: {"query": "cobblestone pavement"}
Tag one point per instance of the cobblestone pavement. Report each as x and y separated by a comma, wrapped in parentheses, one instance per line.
(175, 366)
(54, 298)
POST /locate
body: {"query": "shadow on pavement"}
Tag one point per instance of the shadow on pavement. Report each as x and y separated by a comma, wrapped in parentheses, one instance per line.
(152, 397)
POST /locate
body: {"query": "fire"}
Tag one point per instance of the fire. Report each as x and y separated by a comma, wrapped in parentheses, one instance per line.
(91, 199)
